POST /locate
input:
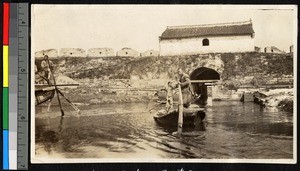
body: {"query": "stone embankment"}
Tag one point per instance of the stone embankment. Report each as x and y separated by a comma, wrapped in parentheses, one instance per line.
(126, 79)
(281, 98)
(98, 91)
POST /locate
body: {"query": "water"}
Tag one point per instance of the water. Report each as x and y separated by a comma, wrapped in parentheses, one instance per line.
(230, 130)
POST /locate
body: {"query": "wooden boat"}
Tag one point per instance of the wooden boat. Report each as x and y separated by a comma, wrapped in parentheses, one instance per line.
(46, 91)
(43, 93)
(191, 116)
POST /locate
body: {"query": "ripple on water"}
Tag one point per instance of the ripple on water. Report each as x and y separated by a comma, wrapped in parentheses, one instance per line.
(230, 130)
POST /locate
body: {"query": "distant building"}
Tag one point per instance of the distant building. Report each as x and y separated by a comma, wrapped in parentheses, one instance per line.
(72, 52)
(272, 49)
(292, 49)
(150, 53)
(211, 38)
(52, 53)
(101, 52)
(128, 52)
(257, 49)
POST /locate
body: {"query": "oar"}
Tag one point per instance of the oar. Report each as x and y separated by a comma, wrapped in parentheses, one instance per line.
(57, 92)
(154, 107)
(69, 101)
(180, 111)
(44, 78)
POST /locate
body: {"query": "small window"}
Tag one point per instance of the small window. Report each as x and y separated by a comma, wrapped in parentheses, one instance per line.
(71, 53)
(100, 52)
(205, 42)
(126, 53)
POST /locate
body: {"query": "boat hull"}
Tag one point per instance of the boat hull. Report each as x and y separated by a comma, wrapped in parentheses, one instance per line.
(42, 96)
(190, 117)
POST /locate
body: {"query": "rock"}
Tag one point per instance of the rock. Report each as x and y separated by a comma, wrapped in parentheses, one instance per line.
(95, 101)
(81, 104)
(286, 104)
(272, 102)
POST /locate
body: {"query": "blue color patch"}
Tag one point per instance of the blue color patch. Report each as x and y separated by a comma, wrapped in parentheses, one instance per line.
(5, 150)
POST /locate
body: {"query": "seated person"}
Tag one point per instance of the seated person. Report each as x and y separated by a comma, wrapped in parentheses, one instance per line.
(169, 104)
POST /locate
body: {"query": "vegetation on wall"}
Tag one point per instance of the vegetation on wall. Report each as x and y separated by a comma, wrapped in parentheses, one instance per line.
(237, 67)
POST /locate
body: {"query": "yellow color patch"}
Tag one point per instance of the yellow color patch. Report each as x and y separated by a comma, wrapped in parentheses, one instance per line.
(5, 66)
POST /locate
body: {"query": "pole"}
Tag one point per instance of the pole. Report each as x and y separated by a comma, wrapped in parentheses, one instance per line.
(56, 90)
(180, 111)
(74, 107)
(49, 105)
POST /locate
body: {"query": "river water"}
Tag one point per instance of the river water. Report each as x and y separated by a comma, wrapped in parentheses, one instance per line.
(231, 129)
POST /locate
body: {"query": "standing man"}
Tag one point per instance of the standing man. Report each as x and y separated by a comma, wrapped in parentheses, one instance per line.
(185, 84)
(46, 69)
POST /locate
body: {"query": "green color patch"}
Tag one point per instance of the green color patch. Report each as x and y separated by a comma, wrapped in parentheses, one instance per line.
(5, 108)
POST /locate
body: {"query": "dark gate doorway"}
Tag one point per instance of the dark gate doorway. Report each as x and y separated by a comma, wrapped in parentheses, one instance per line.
(201, 77)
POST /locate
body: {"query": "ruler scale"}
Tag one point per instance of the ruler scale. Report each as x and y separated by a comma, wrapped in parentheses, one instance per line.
(23, 62)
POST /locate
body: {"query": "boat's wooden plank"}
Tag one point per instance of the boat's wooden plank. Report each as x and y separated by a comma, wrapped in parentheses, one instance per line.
(41, 85)
(204, 81)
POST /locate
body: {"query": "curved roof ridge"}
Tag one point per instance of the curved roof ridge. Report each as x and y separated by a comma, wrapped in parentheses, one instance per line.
(212, 25)
(238, 28)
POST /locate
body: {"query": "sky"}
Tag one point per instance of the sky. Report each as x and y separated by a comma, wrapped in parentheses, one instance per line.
(139, 26)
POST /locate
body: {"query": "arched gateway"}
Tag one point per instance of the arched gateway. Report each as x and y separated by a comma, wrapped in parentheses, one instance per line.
(202, 79)
(204, 73)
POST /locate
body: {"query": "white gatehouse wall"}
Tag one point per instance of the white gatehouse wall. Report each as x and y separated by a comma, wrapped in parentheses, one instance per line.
(217, 44)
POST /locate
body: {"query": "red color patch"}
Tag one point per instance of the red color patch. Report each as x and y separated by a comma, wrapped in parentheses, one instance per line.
(5, 23)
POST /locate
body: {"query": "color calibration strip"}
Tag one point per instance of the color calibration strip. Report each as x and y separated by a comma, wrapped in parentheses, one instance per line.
(15, 86)
(5, 96)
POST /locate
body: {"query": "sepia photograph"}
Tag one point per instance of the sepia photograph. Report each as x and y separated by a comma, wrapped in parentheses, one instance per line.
(163, 83)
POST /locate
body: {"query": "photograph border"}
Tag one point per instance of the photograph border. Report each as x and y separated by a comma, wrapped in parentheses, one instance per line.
(113, 160)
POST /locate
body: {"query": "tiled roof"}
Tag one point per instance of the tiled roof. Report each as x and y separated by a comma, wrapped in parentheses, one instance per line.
(241, 28)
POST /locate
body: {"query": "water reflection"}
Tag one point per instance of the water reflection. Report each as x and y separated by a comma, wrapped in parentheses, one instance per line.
(46, 135)
(230, 129)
